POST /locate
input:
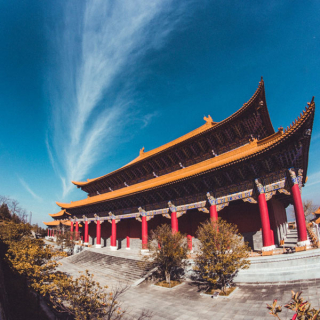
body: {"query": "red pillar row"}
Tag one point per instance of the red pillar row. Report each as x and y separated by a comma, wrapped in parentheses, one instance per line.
(86, 233)
(213, 213)
(128, 242)
(144, 231)
(77, 230)
(98, 233)
(299, 213)
(265, 221)
(113, 244)
(174, 222)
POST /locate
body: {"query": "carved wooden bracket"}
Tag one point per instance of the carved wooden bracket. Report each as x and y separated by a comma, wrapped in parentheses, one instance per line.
(180, 213)
(284, 191)
(249, 199)
(221, 206)
(269, 195)
(166, 215)
(205, 210)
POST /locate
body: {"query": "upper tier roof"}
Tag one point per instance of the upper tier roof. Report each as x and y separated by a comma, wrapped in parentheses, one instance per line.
(206, 127)
(249, 150)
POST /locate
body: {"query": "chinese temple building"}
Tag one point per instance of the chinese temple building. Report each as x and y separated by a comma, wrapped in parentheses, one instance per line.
(239, 169)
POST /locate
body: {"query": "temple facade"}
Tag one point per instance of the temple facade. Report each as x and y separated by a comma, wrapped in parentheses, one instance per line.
(239, 169)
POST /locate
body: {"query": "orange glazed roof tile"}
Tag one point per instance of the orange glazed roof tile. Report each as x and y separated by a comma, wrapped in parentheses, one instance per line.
(317, 211)
(58, 214)
(208, 125)
(247, 151)
(52, 223)
(58, 222)
(143, 155)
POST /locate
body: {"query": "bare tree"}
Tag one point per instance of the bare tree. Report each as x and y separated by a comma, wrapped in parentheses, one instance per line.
(308, 208)
(4, 199)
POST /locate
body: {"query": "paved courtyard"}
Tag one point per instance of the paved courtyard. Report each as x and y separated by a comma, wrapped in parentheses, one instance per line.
(185, 302)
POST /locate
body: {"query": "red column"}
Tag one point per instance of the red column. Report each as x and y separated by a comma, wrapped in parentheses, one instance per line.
(48, 232)
(213, 213)
(174, 222)
(86, 233)
(189, 239)
(144, 229)
(299, 213)
(71, 229)
(98, 234)
(265, 221)
(128, 243)
(77, 230)
(113, 244)
(128, 235)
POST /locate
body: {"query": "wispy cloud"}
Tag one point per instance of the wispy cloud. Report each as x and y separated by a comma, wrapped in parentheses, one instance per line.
(26, 186)
(97, 44)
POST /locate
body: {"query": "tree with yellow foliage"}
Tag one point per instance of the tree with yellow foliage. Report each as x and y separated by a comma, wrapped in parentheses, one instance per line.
(222, 253)
(168, 251)
(13, 232)
(34, 260)
(84, 298)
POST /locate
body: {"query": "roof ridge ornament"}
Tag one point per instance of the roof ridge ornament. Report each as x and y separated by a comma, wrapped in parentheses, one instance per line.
(141, 151)
(208, 119)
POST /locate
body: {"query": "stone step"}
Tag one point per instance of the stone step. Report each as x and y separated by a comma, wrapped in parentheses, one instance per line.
(119, 268)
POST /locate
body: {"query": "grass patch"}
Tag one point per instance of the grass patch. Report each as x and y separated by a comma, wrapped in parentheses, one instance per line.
(221, 293)
(164, 284)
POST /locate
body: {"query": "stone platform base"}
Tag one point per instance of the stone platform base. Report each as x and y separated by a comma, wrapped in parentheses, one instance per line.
(302, 265)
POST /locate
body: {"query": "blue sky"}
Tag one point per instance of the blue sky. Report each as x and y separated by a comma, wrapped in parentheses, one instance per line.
(86, 84)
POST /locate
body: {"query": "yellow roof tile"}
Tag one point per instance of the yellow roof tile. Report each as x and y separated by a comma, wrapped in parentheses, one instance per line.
(219, 161)
(208, 125)
(58, 214)
(52, 223)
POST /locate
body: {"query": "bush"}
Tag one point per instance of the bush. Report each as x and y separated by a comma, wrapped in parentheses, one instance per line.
(168, 251)
(222, 253)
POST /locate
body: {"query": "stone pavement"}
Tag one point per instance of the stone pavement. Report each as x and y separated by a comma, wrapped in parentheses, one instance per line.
(184, 301)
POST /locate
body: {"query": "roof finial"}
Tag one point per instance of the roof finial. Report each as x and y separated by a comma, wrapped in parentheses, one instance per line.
(141, 151)
(208, 119)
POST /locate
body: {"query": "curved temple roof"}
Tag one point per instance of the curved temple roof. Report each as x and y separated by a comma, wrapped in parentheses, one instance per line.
(58, 222)
(58, 214)
(207, 126)
(249, 150)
